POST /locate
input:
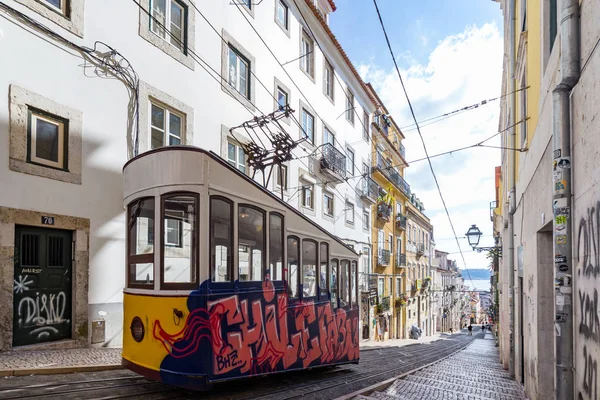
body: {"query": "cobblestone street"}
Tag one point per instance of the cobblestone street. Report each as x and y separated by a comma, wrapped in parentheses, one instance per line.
(474, 373)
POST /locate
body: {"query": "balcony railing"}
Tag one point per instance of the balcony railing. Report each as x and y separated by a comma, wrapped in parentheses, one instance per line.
(384, 211)
(420, 249)
(391, 174)
(382, 123)
(385, 304)
(400, 260)
(370, 189)
(383, 257)
(333, 162)
(400, 221)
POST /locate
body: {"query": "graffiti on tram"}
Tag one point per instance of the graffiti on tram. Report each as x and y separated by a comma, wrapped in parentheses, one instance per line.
(259, 332)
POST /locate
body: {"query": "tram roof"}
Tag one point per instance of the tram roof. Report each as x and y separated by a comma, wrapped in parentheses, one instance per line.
(215, 157)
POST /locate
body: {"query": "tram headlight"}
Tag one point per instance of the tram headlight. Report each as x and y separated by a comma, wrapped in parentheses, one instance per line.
(137, 329)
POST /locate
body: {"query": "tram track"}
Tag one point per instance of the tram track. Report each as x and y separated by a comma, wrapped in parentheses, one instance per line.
(315, 383)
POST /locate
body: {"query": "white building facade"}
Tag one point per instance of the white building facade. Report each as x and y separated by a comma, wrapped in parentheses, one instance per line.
(70, 121)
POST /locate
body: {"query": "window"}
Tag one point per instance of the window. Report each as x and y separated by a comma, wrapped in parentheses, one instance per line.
(398, 208)
(307, 196)
(390, 286)
(328, 136)
(281, 179)
(308, 126)
(57, 5)
(309, 268)
(333, 283)
(179, 269)
(236, 156)
(47, 140)
(365, 220)
(251, 242)
(353, 295)
(140, 250)
(350, 161)
(349, 213)
(281, 14)
(344, 283)
(350, 107)
(380, 286)
(366, 260)
(282, 98)
(366, 125)
(165, 126)
(328, 80)
(328, 204)
(293, 259)
(398, 286)
(324, 259)
(275, 247)
(553, 23)
(306, 54)
(168, 21)
(238, 75)
(221, 239)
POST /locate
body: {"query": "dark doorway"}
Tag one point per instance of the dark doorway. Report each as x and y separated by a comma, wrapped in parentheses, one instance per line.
(42, 285)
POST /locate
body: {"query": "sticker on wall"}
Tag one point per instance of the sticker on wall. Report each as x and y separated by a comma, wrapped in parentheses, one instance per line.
(560, 318)
(560, 220)
(562, 281)
(565, 290)
(557, 153)
(560, 185)
(563, 268)
(564, 163)
(557, 175)
(560, 259)
(560, 300)
(559, 203)
(561, 239)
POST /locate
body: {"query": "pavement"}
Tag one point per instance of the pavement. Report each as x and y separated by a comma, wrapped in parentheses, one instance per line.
(474, 373)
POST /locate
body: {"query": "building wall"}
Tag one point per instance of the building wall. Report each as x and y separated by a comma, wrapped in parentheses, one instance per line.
(72, 83)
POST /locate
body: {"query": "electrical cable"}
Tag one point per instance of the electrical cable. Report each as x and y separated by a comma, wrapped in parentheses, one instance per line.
(421, 136)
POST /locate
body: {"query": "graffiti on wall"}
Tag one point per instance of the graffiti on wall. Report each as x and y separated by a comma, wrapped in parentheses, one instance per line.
(42, 312)
(588, 261)
(257, 332)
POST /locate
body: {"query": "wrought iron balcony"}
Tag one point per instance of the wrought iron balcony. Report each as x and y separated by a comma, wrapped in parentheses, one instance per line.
(369, 190)
(400, 260)
(384, 211)
(400, 221)
(383, 257)
(391, 174)
(420, 249)
(333, 162)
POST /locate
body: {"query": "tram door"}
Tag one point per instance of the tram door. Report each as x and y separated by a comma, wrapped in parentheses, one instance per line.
(42, 285)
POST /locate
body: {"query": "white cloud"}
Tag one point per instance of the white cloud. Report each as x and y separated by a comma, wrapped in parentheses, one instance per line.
(462, 70)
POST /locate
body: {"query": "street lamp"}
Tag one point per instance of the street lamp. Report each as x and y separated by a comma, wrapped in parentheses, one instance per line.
(473, 236)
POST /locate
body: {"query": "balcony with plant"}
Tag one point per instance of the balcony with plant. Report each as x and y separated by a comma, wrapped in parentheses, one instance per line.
(401, 301)
(400, 221)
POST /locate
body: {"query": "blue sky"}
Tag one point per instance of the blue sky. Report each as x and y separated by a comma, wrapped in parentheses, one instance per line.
(415, 26)
(450, 56)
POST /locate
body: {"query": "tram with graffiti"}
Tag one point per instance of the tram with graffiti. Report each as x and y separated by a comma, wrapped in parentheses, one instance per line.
(225, 280)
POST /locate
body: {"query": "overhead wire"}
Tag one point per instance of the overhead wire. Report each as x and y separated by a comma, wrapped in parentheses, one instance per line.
(421, 136)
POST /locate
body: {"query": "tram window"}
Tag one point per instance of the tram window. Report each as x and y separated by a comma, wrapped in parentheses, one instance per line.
(309, 268)
(293, 260)
(333, 284)
(251, 238)
(344, 284)
(141, 243)
(275, 246)
(353, 295)
(324, 258)
(180, 248)
(221, 239)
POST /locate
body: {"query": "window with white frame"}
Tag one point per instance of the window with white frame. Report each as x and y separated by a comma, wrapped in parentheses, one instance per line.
(168, 21)
(166, 126)
(173, 232)
(366, 217)
(60, 6)
(281, 179)
(328, 204)
(350, 107)
(236, 156)
(238, 68)
(398, 286)
(328, 80)
(307, 59)
(282, 98)
(365, 125)
(308, 196)
(308, 125)
(398, 207)
(328, 136)
(48, 138)
(380, 286)
(349, 213)
(350, 161)
(282, 13)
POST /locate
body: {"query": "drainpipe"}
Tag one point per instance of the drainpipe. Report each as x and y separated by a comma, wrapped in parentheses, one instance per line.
(512, 191)
(561, 199)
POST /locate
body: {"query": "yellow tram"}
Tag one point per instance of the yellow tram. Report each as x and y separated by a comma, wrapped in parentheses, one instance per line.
(225, 280)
